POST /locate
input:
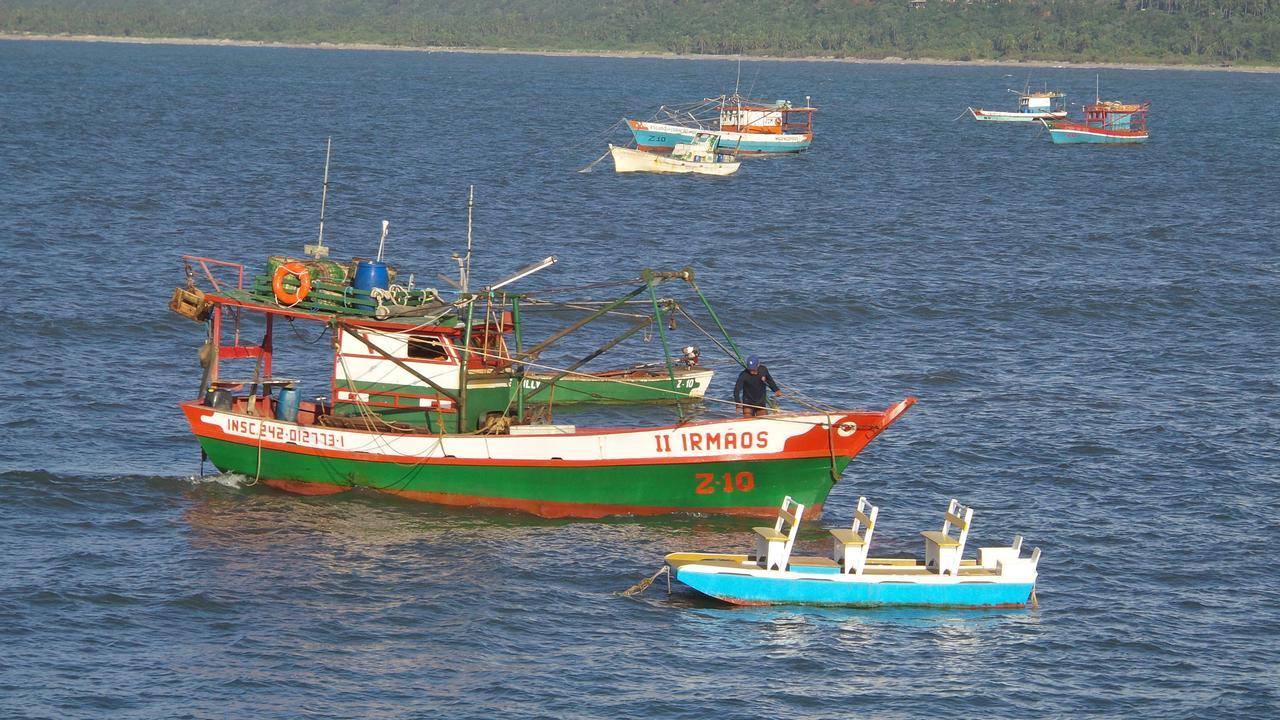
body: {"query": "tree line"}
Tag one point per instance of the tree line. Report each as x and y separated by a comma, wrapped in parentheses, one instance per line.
(1156, 31)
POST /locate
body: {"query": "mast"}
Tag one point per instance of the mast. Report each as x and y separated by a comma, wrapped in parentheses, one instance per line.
(662, 334)
(517, 370)
(465, 267)
(318, 250)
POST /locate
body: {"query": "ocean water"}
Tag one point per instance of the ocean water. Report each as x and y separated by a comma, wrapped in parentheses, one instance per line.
(1091, 331)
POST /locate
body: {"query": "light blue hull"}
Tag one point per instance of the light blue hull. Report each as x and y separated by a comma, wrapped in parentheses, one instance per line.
(833, 589)
(1071, 137)
(741, 143)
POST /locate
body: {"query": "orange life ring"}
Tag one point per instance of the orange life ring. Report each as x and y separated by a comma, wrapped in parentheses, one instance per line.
(298, 270)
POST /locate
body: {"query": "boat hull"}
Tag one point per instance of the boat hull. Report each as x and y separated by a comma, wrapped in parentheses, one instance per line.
(1014, 117)
(750, 585)
(737, 467)
(626, 160)
(653, 386)
(1070, 134)
(661, 137)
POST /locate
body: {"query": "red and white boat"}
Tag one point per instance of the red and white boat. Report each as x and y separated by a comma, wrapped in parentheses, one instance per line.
(1105, 121)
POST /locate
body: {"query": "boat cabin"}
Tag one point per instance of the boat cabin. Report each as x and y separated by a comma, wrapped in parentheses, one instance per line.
(779, 117)
(1113, 115)
(415, 376)
(702, 148)
(1041, 102)
(429, 367)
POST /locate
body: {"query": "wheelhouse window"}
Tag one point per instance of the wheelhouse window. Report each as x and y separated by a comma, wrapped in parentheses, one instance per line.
(427, 348)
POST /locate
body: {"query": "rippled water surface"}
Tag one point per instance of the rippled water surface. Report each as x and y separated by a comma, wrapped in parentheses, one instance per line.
(1091, 331)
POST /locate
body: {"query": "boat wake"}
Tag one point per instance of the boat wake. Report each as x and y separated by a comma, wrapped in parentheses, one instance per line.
(230, 480)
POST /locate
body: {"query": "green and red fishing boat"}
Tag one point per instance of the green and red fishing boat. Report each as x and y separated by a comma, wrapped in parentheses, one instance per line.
(428, 401)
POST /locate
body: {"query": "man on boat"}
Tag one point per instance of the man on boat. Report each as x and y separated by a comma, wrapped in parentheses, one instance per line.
(750, 393)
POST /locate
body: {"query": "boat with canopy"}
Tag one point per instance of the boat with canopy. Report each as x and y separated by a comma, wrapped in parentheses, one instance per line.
(699, 156)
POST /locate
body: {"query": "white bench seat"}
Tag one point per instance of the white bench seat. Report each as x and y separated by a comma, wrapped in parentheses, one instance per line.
(849, 546)
(942, 552)
(773, 544)
(848, 537)
(940, 539)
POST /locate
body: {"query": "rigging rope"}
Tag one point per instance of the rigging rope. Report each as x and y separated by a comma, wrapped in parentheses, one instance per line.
(644, 584)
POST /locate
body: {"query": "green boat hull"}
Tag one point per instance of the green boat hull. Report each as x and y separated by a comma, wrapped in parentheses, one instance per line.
(619, 387)
(754, 487)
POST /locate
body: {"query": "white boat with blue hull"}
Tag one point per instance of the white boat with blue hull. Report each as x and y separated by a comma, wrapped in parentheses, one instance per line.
(741, 126)
(999, 578)
(1032, 107)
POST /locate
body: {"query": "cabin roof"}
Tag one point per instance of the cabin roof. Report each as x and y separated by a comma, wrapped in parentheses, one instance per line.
(248, 301)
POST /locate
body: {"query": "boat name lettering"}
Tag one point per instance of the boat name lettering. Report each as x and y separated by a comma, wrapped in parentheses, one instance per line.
(698, 441)
(709, 484)
(702, 441)
(282, 433)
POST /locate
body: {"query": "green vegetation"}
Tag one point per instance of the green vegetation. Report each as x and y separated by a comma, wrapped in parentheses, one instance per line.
(1158, 31)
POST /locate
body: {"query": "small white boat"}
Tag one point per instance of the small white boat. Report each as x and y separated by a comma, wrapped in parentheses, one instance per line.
(1032, 106)
(999, 578)
(697, 156)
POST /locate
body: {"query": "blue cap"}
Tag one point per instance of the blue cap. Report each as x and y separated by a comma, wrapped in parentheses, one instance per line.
(753, 362)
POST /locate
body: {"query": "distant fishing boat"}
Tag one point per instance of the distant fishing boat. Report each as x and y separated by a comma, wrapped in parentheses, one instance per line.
(1105, 121)
(1032, 106)
(999, 578)
(741, 126)
(699, 156)
(647, 383)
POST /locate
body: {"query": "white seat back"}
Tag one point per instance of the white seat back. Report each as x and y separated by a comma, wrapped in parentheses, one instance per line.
(958, 516)
(773, 545)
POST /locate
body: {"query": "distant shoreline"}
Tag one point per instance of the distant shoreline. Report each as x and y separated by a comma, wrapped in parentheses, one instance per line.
(634, 54)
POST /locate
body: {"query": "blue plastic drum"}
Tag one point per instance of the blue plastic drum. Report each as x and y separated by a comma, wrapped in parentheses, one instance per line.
(371, 274)
(287, 407)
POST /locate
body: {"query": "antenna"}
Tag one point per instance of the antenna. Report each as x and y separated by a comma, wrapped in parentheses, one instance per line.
(1097, 88)
(383, 240)
(464, 266)
(318, 250)
(526, 271)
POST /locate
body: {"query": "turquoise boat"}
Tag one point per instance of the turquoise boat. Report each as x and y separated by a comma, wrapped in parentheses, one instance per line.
(741, 126)
(1105, 122)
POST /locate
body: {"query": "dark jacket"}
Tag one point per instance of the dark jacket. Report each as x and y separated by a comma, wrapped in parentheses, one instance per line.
(750, 389)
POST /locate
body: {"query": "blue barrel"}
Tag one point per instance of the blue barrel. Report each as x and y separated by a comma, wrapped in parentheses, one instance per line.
(287, 407)
(371, 274)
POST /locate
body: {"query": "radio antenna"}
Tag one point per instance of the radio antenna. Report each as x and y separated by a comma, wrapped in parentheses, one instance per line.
(318, 250)
(466, 274)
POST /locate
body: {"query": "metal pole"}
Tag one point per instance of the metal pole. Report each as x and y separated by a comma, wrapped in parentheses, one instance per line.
(518, 374)
(662, 334)
(544, 384)
(716, 318)
(324, 192)
(533, 352)
(466, 270)
(463, 356)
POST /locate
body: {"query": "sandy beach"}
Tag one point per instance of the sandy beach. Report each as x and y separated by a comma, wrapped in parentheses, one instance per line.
(632, 54)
